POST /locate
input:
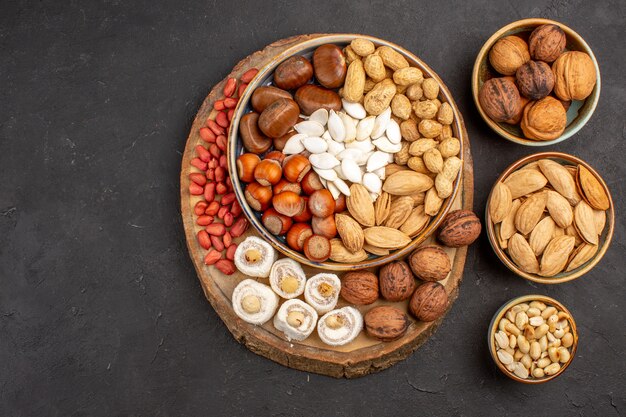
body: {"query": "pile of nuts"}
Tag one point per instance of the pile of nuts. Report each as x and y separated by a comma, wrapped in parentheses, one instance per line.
(354, 164)
(548, 216)
(531, 92)
(217, 210)
(534, 340)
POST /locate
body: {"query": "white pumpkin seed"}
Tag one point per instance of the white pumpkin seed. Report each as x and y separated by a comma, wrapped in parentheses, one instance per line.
(315, 144)
(323, 160)
(380, 125)
(342, 187)
(355, 110)
(380, 173)
(385, 145)
(350, 126)
(339, 172)
(365, 127)
(393, 132)
(377, 160)
(294, 144)
(350, 153)
(351, 171)
(333, 190)
(372, 183)
(320, 116)
(335, 127)
(327, 136)
(327, 174)
(310, 128)
(365, 145)
(335, 148)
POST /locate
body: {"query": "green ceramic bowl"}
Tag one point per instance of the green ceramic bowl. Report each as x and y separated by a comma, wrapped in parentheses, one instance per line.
(578, 113)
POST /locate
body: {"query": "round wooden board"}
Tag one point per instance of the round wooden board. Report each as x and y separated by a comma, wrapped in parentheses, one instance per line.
(360, 357)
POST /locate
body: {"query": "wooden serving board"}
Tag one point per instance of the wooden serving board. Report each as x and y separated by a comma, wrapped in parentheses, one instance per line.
(364, 355)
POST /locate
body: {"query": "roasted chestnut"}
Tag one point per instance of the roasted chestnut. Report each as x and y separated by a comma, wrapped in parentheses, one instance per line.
(279, 117)
(264, 96)
(330, 66)
(293, 72)
(253, 139)
(312, 97)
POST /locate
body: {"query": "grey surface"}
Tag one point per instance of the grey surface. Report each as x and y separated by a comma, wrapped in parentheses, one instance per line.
(101, 312)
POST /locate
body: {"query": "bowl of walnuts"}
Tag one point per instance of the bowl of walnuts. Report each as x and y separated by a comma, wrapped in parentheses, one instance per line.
(536, 82)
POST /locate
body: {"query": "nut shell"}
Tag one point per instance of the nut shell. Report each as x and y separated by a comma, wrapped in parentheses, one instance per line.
(535, 79)
(293, 72)
(330, 66)
(429, 301)
(386, 323)
(546, 43)
(279, 117)
(500, 99)
(430, 263)
(508, 54)
(575, 76)
(359, 287)
(396, 281)
(544, 119)
(459, 228)
(312, 97)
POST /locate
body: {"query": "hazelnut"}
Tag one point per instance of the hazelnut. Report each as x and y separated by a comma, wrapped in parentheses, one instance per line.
(251, 304)
(500, 99)
(459, 228)
(546, 43)
(396, 281)
(246, 163)
(544, 119)
(288, 203)
(386, 323)
(508, 54)
(429, 301)
(295, 318)
(359, 287)
(535, 79)
(430, 263)
(575, 76)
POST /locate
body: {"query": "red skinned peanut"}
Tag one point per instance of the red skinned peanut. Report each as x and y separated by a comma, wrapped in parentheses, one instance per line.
(195, 189)
(221, 188)
(204, 239)
(212, 256)
(219, 105)
(230, 87)
(212, 208)
(228, 219)
(239, 227)
(222, 119)
(226, 266)
(207, 135)
(199, 163)
(216, 229)
(217, 129)
(217, 243)
(200, 207)
(227, 239)
(230, 252)
(249, 75)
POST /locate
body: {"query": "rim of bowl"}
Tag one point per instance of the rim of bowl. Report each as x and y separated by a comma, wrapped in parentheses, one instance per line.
(576, 124)
(500, 313)
(340, 38)
(563, 276)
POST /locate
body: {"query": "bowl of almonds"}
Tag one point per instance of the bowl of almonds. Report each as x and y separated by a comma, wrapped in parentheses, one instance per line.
(532, 339)
(345, 152)
(550, 217)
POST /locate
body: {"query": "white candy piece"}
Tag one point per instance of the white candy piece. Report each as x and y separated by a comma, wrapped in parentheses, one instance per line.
(385, 145)
(254, 257)
(380, 125)
(335, 127)
(349, 125)
(340, 327)
(322, 291)
(320, 116)
(365, 127)
(323, 160)
(377, 160)
(296, 319)
(355, 110)
(372, 183)
(342, 187)
(315, 144)
(393, 132)
(254, 302)
(294, 144)
(310, 128)
(351, 171)
(326, 174)
(284, 275)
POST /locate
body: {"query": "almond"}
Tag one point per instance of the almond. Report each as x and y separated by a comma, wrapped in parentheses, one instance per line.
(386, 237)
(375, 250)
(339, 253)
(599, 218)
(500, 202)
(541, 235)
(559, 209)
(407, 183)
(585, 223)
(522, 254)
(382, 207)
(507, 227)
(400, 209)
(529, 213)
(581, 255)
(350, 232)
(591, 189)
(416, 222)
(360, 205)
(556, 255)
(560, 178)
(524, 182)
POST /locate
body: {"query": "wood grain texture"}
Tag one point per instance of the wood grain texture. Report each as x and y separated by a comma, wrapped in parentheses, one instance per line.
(361, 357)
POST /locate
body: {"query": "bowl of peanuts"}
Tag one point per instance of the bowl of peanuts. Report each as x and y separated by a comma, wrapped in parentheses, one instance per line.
(532, 339)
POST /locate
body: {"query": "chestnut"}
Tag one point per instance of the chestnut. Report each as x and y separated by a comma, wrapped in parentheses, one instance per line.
(296, 167)
(264, 96)
(279, 143)
(276, 223)
(321, 203)
(312, 97)
(268, 172)
(293, 72)
(258, 197)
(279, 117)
(253, 139)
(288, 203)
(330, 66)
(297, 234)
(324, 226)
(246, 163)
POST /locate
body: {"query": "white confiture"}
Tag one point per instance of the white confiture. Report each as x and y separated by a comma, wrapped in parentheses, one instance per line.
(315, 144)
(309, 128)
(254, 257)
(355, 110)
(284, 274)
(335, 127)
(296, 319)
(349, 126)
(393, 132)
(294, 144)
(320, 116)
(340, 327)
(322, 291)
(380, 124)
(254, 302)
(323, 160)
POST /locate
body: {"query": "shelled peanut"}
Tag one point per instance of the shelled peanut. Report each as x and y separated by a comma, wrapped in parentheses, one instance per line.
(534, 340)
(217, 210)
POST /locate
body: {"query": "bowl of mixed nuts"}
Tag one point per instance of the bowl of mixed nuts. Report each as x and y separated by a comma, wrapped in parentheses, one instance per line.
(345, 152)
(536, 82)
(550, 217)
(532, 339)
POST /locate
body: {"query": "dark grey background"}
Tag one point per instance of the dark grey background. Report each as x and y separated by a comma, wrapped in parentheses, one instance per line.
(101, 312)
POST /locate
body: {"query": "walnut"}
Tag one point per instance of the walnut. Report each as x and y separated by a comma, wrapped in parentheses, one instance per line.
(430, 263)
(386, 323)
(500, 99)
(396, 281)
(508, 54)
(575, 76)
(459, 228)
(544, 119)
(546, 43)
(429, 301)
(359, 287)
(535, 79)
